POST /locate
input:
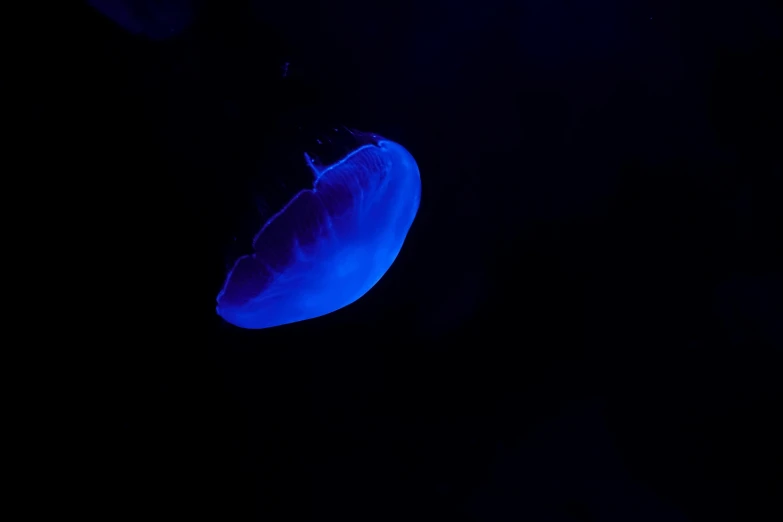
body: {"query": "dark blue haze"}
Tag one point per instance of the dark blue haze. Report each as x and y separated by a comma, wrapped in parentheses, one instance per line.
(153, 19)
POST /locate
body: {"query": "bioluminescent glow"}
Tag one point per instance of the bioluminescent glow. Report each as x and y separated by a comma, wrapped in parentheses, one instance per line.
(330, 244)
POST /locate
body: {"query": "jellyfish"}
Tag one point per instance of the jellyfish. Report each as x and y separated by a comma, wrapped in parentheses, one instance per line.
(330, 244)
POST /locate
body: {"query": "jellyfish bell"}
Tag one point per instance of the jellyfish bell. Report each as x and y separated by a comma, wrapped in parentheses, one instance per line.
(332, 242)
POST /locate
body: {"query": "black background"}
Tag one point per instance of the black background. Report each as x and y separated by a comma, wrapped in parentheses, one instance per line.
(584, 323)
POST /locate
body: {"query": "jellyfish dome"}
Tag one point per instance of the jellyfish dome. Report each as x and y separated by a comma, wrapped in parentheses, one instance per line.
(329, 244)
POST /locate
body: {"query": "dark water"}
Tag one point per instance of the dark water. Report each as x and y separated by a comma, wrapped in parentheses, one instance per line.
(584, 323)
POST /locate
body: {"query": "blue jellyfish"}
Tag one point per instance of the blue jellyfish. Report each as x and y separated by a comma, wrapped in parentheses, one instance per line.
(331, 243)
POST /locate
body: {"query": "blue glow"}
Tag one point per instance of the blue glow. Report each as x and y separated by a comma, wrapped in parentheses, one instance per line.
(330, 244)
